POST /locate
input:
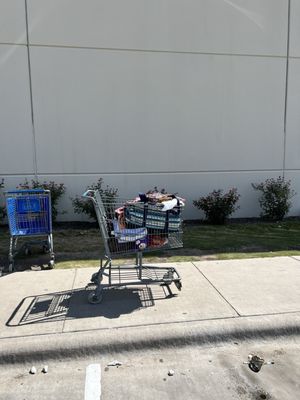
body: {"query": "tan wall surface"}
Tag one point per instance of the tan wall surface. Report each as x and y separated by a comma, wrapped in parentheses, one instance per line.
(188, 95)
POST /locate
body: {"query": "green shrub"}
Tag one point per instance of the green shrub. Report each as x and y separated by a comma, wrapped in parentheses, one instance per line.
(218, 206)
(85, 206)
(275, 198)
(56, 191)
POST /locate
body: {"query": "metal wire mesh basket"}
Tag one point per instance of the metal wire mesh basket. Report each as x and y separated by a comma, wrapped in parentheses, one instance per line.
(131, 226)
(29, 212)
(135, 227)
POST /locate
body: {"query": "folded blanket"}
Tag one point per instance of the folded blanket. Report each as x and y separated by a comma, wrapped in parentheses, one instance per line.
(128, 235)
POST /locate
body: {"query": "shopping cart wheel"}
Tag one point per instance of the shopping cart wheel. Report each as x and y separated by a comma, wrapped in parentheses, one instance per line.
(27, 251)
(168, 277)
(95, 299)
(51, 264)
(178, 284)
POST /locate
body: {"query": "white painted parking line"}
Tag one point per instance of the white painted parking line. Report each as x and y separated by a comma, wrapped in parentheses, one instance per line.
(93, 382)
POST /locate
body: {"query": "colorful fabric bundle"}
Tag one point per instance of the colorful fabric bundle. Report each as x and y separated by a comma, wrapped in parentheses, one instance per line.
(152, 217)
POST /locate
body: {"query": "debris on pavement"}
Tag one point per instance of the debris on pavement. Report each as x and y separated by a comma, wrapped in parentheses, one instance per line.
(32, 370)
(171, 372)
(255, 362)
(114, 363)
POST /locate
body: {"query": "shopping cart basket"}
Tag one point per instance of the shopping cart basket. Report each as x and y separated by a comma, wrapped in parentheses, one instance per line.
(123, 235)
(29, 214)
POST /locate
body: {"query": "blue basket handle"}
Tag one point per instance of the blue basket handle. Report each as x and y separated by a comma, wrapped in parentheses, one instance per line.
(23, 191)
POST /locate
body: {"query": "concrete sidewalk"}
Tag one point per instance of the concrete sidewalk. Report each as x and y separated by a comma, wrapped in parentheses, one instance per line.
(46, 313)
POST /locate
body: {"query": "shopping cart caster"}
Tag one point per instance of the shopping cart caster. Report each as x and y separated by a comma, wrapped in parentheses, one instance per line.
(27, 251)
(168, 277)
(97, 278)
(51, 264)
(94, 277)
(93, 298)
(178, 284)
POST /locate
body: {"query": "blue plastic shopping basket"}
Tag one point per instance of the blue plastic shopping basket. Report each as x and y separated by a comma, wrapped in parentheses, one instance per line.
(29, 214)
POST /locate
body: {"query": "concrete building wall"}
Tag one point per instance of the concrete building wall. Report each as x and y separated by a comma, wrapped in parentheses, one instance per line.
(190, 95)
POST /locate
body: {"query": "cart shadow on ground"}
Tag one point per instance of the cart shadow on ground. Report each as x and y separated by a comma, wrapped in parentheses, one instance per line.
(73, 304)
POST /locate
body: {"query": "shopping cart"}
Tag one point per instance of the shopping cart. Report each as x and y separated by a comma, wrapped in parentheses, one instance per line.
(29, 214)
(134, 227)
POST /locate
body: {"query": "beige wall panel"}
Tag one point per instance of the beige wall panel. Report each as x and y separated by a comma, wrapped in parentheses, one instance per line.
(16, 147)
(295, 29)
(293, 116)
(154, 112)
(113, 111)
(12, 21)
(222, 26)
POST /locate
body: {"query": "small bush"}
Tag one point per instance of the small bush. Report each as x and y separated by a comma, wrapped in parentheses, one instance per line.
(56, 191)
(275, 198)
(85, 206)
(218, 206)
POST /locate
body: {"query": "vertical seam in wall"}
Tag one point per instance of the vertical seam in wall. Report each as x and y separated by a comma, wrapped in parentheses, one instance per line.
(286, 86)
(30, 93)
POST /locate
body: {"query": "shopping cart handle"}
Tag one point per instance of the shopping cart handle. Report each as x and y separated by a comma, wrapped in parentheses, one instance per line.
(89, 194)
